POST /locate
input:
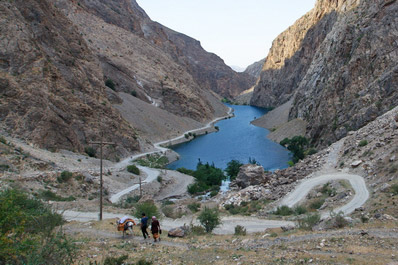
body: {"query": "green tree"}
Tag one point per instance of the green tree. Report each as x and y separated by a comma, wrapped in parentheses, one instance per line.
(297, 145)
(253, 161)
(148, 207)
(207, 177)
(209, 174)
(232, 169)
(209, 219)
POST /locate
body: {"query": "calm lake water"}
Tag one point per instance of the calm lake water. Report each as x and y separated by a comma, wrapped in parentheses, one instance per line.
(236, 139)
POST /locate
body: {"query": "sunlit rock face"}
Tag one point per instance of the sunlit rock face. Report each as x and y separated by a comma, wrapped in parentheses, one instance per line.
(339, 63)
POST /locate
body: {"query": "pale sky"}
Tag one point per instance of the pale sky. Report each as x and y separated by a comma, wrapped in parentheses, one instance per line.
(239, 31)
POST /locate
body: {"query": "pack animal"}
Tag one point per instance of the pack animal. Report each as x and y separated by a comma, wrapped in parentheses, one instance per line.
(124, 225)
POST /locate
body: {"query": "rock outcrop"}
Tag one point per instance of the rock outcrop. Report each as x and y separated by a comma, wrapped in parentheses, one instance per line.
(255, 68)
(58, 55)
(339, 62)
(51, 86)
(207, 69)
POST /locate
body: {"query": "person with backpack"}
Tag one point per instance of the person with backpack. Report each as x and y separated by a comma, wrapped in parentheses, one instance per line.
(144, 226)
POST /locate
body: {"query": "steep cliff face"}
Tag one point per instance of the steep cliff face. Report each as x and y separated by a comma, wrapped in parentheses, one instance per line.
(137, 66)
(339, 62)
(207, 69)
(51, 87)
(255, 68)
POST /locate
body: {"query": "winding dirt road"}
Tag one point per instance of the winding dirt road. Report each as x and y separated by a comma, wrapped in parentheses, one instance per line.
(151, 173)
(357, 183)
(252, 224)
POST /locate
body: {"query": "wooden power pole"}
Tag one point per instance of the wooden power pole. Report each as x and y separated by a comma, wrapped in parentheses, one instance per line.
(101, 143)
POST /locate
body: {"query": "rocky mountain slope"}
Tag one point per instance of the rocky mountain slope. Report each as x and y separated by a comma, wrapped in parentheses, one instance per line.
(255, 68)
(57, 57)
(52, 88)
(339, 62)
(207, 69)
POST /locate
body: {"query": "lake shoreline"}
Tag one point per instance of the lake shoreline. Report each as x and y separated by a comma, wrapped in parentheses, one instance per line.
(236, 140)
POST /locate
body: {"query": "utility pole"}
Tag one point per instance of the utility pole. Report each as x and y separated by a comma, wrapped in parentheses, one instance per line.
(101, 143)
(140, 188)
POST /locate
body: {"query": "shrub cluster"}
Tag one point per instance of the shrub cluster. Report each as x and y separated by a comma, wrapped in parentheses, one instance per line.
(90, 151)
(394, 189)
(109, 83)
(245, 208)
(48, 195)
(209, 219)
(27, 232)
(286, 211)
(133, 169)
(64, 177)
(240, 230)
(186, 171)
(363, 143)
(315, 205)
(309, 221)
(194, 207)
(299, 146)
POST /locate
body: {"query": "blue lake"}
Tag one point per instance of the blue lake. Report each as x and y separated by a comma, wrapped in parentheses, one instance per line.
(236, 139)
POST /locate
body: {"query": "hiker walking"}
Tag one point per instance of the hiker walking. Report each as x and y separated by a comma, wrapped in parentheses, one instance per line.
(155, 229)
(144, 226)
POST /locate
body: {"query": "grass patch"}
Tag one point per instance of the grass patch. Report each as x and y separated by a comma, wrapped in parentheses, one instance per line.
(3, 140)
(283, 211)
(393, 169)
(194, 207)
(130, 202)
(197, 230)
(309, 221)
(4, 167)
(315, 205)
(246, 208)
(153, 161)
(394, 189)
(327, 190)
(299, 210)
(363, 143)
(48, 195)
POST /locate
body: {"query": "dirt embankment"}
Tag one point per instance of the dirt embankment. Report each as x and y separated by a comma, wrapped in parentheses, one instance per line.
(277, 121)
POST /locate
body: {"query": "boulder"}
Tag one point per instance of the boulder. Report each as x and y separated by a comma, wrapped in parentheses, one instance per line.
(287, 228)
(88, 178)
(177, 232)
(251, 175)
(356, 163)
(385, 187)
